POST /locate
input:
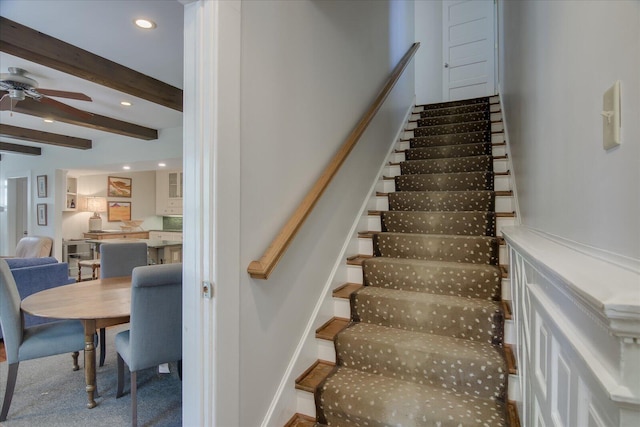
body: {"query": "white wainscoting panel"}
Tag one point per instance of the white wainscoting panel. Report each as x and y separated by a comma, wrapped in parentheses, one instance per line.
(577, 333)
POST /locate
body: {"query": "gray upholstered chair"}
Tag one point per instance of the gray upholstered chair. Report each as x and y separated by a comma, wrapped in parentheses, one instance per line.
(34, 247)
(155, 334)
(65, 336)
(116, 260)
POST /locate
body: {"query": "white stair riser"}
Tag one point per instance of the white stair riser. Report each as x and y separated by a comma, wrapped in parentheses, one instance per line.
(503, 255)
(506, 289)
(509, 332)
(504, 222)
(341, 308)
(326, 350)
(365, 245)
(502, 183)
(499, 150)
(373, 223)
(305, 403)
(354, 274)
(504, 204)
(497, 137)
(497, 127)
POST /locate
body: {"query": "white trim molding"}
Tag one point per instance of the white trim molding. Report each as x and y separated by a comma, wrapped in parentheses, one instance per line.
(577, 322)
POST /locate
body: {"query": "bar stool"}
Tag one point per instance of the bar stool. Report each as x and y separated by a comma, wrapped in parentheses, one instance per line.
(95, 267)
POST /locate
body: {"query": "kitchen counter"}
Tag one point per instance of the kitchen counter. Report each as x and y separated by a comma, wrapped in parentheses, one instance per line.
(115, 234)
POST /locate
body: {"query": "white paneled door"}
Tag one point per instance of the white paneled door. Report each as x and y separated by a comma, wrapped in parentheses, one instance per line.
(468, 43)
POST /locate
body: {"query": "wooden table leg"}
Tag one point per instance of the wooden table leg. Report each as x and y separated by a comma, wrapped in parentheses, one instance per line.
(90, 360)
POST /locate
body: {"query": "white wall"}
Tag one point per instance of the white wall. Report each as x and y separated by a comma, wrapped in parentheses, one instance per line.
(428, 31)
(558, 60)
(110, 151)
(309, 71)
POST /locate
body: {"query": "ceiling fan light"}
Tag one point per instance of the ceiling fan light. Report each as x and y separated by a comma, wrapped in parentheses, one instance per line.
(125, 103)
(145, 23)
(48, 120)
(16, 94)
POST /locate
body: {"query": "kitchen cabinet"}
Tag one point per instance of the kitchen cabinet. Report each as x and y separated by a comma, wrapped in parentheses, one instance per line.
(169, 186)
(170, 236)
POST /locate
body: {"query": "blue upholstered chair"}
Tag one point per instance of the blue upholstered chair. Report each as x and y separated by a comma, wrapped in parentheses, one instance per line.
(116, 260)
(65, 336)
(155, 334)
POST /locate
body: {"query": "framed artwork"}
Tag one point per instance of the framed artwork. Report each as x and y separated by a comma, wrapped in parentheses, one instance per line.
(42, 185)
(118, 186)
(42, 213)
(118, 211)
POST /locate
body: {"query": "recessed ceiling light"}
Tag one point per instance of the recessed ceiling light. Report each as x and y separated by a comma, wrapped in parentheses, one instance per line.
(162, 165)
(126, 168)
(145, 23)
(125, 103)
(48, 120)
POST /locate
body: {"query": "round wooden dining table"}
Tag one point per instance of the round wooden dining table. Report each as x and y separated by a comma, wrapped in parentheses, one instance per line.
(97, 303)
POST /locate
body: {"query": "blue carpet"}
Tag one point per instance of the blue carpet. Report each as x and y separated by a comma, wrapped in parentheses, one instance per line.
(49, 393)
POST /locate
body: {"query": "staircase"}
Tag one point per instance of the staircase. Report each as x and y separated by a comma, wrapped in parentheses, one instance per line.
(423, 343)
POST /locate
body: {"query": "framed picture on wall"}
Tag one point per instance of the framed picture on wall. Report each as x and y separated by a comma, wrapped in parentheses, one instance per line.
(118, 186)
(42, 185)
(119, 211)
(42, 213)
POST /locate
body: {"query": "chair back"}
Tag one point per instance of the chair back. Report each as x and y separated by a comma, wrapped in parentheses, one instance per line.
(34, 247)
(156, 315)
(119, 259)
(11, 319)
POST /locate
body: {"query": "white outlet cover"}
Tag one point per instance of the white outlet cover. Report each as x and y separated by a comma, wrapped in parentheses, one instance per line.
(611, 117)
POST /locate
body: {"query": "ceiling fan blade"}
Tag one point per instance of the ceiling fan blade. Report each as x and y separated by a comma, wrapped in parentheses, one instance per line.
(64, 94)
(68, 108)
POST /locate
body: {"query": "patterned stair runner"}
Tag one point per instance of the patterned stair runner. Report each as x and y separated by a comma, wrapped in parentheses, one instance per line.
(424, 344)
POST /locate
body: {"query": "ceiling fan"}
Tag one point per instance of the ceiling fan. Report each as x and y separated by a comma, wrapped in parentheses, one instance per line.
(17, 87)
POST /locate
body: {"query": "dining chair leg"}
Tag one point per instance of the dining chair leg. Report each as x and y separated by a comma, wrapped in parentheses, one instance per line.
(8, 393)
(180, 369)
(103, 344)
(75, 360)
(120, 387)
(134, 399)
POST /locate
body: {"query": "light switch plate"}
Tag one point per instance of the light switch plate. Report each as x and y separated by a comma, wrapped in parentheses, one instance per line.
(611, 117)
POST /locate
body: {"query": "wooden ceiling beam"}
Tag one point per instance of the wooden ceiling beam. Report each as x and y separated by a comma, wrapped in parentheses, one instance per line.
(20, 149)
(24, 42)
(32, 135)
(95, 121)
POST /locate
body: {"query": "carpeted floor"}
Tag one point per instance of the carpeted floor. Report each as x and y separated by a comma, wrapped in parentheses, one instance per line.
(48, 393)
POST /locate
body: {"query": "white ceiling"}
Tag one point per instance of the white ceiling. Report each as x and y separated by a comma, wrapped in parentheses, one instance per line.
(105, 28)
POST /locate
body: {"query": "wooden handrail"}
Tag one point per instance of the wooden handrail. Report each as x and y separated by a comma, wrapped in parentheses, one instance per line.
(262, 268)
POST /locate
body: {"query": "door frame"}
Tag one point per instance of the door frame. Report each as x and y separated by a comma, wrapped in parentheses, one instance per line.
(9, 224)
(211, 220)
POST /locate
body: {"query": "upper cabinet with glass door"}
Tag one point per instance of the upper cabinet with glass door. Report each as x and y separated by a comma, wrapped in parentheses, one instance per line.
(169, 192)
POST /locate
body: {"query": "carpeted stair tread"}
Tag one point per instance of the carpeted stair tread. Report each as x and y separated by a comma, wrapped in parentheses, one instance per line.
(451, 139)
(454, 118)
(447, 165)
(477, 126)
(462, 109)
(424, 359)
(354, 398)
(442, 201)
(446, 151)
(457, 181)
(469, 249)
(455, 223)
(436, 277)
(457, 103)
(466, 318)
